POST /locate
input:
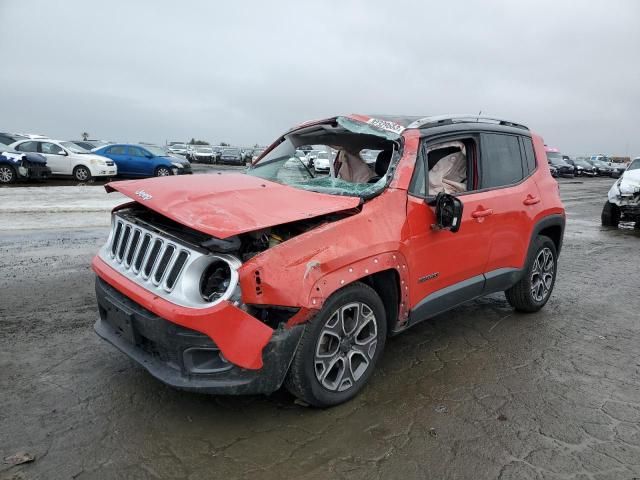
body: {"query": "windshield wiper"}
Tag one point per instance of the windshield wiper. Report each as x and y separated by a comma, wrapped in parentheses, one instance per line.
(305, 167)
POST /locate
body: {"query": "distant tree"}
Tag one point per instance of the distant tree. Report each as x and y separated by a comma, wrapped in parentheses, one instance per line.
(85, 136)
(256, 146)
(225, 144)
(198, 142)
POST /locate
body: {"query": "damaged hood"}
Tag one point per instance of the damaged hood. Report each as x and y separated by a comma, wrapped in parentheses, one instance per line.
(626, 188)
(224, 205)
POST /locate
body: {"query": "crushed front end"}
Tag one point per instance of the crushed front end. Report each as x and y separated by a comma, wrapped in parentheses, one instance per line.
(625, 194)
(174, 307)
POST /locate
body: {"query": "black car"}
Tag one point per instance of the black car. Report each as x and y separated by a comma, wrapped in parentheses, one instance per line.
(582, 167)
(232, 156)
(602, 168)
(564, 169)
(21, 166)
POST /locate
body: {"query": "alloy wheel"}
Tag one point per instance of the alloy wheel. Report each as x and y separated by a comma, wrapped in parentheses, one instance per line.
(346, 346)
(542, 275)
(164, 172)
(6, 174)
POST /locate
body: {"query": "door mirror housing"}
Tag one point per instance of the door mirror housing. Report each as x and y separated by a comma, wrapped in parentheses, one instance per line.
(448, 212)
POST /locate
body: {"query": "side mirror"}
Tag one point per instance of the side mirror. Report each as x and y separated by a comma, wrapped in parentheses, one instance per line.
(448, 212)
(62, 152)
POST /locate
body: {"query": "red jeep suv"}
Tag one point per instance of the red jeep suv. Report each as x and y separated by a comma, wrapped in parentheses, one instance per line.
(237, 283)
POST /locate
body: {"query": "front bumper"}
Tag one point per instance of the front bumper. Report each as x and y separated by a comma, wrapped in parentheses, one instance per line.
(184, 358)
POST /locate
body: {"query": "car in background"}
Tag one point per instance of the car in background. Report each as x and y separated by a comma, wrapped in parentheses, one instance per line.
(623, 199)
(9, 138)
(554, 157)
(554, 171)
(582, 167)
(602, 168)
(617, 169)
(90, 144)
(302, 157)
(21, 165)
(203, 154)
(178, 148)
(134, 160)
(232, 156)
(256, 154)
(67, 158)
(322, 162)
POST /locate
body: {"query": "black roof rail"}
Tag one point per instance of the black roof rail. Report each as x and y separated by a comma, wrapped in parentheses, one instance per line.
(439, 120)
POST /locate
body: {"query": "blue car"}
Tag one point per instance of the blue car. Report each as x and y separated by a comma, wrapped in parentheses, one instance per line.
(144, 160)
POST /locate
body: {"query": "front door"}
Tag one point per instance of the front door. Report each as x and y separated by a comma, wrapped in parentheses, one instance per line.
(57, 159)
(446, 268)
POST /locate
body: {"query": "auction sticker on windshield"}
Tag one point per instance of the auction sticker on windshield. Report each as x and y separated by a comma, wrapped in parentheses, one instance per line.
(386, 125)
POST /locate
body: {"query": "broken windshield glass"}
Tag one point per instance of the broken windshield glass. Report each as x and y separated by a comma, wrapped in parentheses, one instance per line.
(333, 160)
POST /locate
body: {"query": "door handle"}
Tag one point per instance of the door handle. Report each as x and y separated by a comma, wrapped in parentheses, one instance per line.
(482, 213)
(531, 200)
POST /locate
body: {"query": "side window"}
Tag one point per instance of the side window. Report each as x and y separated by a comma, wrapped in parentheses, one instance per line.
(136, 152)
(529, 154)
(501, 160)
(51, 148)
(27, 147)
(118, 150)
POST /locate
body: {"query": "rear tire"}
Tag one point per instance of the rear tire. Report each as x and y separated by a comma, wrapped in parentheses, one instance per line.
(339, 348)
(7, 174)
(610, 215)
(82, 173)
(533, 290)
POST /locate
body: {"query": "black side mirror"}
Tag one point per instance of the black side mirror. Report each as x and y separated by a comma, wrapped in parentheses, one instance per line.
(448, 212)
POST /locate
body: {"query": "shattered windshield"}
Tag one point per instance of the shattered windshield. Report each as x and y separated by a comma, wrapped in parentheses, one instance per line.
(339, 145)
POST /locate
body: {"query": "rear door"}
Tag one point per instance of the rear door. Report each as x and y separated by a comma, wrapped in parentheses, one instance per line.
(120, 155)
(506, 164)
(57, 159)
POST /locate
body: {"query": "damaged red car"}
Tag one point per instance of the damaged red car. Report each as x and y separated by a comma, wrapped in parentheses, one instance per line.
(238, 283)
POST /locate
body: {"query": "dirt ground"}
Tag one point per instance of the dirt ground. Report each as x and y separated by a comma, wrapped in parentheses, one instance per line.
(479, 392)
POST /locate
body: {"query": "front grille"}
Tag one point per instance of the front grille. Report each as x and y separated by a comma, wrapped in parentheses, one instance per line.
(142, 253)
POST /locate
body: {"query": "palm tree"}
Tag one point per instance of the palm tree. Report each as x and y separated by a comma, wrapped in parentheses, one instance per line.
(85, 136)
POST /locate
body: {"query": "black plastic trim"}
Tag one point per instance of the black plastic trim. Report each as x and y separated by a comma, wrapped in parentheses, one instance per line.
(129, 327)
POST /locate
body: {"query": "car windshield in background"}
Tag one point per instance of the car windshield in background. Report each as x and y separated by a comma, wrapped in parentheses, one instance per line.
(231, 151)
(323, 155)
(635, 165)
(180, 146)
(73, 147)
(204, 150)
(157, 151)
(555, 158)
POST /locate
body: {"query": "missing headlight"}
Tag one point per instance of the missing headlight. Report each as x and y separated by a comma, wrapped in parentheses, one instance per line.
(215, 280)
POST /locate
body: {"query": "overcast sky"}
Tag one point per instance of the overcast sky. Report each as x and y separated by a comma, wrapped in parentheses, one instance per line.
(245, 71)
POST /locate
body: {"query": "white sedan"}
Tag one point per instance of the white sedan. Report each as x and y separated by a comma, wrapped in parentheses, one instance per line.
(322, 163)
(67, 158)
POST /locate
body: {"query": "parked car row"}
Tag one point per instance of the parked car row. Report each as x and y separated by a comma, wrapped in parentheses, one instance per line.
(595, 165)
(36, 157)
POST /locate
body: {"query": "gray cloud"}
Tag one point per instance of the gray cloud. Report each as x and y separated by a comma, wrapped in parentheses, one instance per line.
(246, 71)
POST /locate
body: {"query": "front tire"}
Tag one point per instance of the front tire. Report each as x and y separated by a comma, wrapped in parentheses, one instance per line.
(82, 173)
(610, 215)
(339, 348)
(162, 172)
(7, 174)
(533, 290)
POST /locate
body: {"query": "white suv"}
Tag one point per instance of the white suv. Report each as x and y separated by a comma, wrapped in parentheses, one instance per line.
(67, 158)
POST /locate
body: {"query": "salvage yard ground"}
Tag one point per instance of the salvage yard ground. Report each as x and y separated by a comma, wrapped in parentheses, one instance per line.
(479, 392)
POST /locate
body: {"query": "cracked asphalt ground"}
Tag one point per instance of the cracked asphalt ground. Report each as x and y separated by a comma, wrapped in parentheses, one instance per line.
(479, 392)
